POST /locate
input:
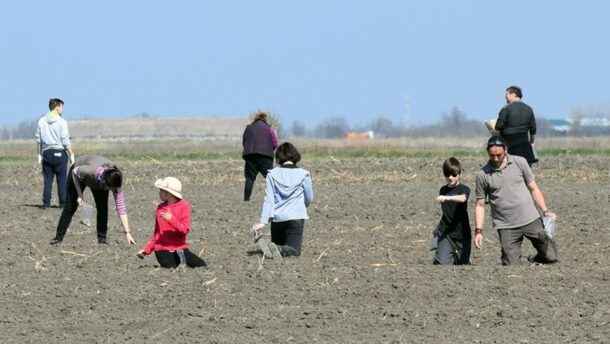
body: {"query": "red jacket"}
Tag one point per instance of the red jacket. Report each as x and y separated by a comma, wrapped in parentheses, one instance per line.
(171, 235)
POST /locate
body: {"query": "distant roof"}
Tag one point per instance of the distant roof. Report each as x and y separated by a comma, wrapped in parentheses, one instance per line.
(559, 122)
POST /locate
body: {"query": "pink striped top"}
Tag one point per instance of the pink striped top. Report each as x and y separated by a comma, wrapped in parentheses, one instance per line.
(119, 197)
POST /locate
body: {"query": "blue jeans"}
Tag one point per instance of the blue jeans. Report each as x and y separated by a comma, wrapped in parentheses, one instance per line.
(54, 163)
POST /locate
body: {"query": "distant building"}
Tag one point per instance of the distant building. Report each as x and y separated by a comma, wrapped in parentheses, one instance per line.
(560, 125)
(359, 135)
(595, 122)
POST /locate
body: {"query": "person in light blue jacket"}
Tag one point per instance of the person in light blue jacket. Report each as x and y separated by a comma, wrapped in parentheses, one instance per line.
(288, 192)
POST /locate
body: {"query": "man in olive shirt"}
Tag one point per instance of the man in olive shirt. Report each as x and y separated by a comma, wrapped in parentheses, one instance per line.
(516, 123)
(513, 197)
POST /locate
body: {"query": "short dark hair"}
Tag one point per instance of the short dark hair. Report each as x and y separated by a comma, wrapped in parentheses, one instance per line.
(515, 90)
(55, 102)
(113, 177)
(287, 152)
(496, 141)
(452, 166)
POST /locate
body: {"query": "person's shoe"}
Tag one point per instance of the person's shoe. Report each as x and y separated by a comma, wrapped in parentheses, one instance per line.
(532, 258)
(262, 244)
(44, 207)
(102, 241)
(289, 251)
(55, 242)
(61, 205)
(275, 251)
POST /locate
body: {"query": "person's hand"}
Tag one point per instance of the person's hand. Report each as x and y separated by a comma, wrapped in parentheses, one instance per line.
(441, 199)
(257, 231)
(141, 254)
(71, 159)
(166, 216)
(478, 240)
(436, 232)
(551, 215)
(130, 240)
(39, 159)
(80, 201)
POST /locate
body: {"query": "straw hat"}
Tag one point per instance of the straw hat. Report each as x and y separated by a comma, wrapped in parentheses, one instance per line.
(171, 185)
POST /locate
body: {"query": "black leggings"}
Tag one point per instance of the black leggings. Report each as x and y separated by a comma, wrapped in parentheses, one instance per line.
(169, 259)
(288, 235)
(101, 204)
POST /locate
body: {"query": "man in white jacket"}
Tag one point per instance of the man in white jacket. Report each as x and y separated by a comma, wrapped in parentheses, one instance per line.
(53, 141)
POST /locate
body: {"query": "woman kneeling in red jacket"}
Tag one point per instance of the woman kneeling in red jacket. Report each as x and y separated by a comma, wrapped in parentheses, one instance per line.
(172, 224)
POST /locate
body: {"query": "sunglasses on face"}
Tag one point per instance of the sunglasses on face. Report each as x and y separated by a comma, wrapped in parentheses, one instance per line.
(496, 143)
(452, 175)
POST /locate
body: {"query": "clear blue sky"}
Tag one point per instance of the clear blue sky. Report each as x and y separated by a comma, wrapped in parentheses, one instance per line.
(307, 60)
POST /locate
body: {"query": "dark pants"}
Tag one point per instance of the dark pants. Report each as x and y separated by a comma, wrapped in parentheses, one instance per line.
(169, 259)
(519, 144)
(101, 203)
(54, 163)
(511, 240)
(255, 163)
(288, 236)
(452, 251)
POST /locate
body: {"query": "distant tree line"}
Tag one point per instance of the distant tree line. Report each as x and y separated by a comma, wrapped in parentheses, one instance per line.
(592, 121)
(453, 124)
(23, 130)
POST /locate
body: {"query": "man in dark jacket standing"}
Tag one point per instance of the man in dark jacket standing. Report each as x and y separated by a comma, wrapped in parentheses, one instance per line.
(517, 125)
(259, 141)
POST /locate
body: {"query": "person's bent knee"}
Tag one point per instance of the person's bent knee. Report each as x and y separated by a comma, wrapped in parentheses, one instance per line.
(511, 256)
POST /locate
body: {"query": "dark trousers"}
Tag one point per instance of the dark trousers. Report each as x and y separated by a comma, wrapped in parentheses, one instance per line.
(288, 236)
(101, 203)
(519, 144)
(54, 163)
(511, 240)
(255, 163)
(169, 259)
(452, 251)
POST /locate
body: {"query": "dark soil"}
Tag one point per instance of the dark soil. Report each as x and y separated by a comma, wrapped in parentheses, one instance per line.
(365, 274)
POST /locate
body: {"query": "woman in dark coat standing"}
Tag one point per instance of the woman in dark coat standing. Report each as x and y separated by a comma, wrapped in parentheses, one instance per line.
(259, 142)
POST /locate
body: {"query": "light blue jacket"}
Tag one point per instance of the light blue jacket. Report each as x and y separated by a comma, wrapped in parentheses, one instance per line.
(288, 191)
(52, 132)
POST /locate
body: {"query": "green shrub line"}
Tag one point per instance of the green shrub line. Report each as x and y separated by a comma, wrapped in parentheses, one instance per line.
(328, 153)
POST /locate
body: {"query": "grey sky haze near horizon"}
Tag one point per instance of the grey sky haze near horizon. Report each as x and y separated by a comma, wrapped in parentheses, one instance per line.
(305, 60)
